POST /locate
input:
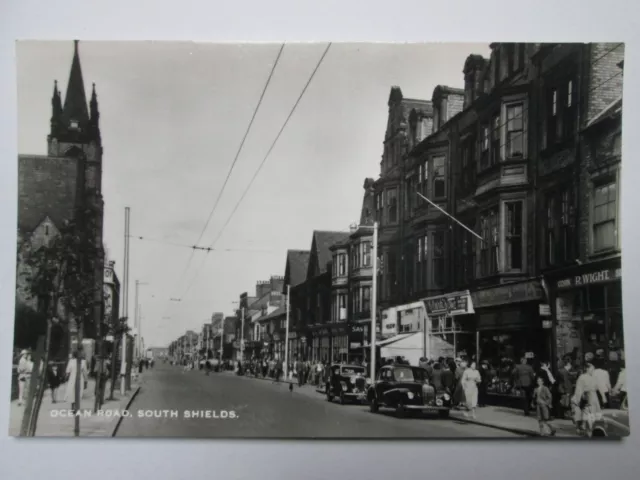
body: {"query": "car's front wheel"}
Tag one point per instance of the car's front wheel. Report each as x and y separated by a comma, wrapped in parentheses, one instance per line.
(373, 404)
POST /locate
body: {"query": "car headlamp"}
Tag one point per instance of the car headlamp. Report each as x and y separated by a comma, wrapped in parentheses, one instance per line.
(446, 396)
(439, 402)
(344, 387)
(410, 395)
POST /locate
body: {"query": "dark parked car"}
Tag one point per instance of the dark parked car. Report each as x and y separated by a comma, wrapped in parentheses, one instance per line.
(347, 382)
(406, 388)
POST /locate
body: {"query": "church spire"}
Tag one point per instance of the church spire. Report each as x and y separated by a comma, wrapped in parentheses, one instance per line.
(75, 102)
(56, 108)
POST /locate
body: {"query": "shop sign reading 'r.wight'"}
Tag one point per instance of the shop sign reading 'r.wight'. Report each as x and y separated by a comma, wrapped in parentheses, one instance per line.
(591, 278)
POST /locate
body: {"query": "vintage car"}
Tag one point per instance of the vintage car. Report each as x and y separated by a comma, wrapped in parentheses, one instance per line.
(405, 389)
(347, 382)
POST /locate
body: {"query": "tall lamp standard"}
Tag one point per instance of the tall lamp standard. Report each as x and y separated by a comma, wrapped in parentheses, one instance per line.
(374, 293)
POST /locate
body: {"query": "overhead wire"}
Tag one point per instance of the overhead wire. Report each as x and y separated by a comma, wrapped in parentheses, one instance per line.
(264, 160)
(231, 167)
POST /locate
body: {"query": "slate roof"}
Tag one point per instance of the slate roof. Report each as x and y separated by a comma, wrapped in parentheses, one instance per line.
(278, 312)
(46, 188)
(323, 242)
(297, 264)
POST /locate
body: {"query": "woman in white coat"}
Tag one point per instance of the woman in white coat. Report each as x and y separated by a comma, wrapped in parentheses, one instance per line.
(71, 373)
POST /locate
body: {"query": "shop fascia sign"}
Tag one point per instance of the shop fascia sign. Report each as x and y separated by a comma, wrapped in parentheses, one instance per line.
(591, 278)
(458, 303)
(108, 275)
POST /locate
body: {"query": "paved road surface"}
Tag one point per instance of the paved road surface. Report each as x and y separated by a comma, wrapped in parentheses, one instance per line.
(264, 410)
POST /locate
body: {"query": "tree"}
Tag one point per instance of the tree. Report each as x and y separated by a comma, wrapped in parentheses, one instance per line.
(62, 276)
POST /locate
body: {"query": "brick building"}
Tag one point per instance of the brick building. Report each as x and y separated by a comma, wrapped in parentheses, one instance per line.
(527, 158)
(52, 187)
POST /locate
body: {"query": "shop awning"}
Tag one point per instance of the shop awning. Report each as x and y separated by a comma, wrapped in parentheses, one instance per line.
(394, 339)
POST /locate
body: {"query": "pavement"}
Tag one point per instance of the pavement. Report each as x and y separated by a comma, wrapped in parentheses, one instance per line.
(175, 403)
(54, 419)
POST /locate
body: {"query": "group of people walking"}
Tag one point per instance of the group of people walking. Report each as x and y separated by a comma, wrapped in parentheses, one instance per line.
(54, 377)
(579, 393)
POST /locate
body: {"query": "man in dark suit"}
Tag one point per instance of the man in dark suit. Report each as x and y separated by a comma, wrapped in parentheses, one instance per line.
(525, 378)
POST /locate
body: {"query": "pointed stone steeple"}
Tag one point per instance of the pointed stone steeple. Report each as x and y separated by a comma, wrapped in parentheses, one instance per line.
(95, 114)
(75, 101)
(56, 109)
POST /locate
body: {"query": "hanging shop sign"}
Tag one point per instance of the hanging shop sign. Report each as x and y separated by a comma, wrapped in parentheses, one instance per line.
(591, 278)
(458, 303)
(544, 309)
(508, 293)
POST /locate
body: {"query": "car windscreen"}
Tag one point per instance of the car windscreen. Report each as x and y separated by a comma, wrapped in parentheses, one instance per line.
(420, 374)
(352, 370)
(403, 374)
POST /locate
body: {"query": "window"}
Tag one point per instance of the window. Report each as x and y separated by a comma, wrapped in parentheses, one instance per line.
(408, 196)
(565, 248)
(342, 307)
(366, 299)
(490, 242)
(379, 206)
(439, 186)
(569, 113)
(513, 235)
(390, 271)
(467, 167)
(551, 232)
(342, 265)
(419, 182)
(438, 259)
(617, 144)
(467, 260)
(515, 131)
(604, 217)
(425, 178)
(484, 147)
(392, 204)
(366, 254)
(495, 140)
(355, 257)
(561, 113)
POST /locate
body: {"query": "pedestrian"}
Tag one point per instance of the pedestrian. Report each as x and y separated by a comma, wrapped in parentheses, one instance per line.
(53, 381)
(25, 367)
(319, 370)
(458, 393)
(469, 382)
(620, 387)
(448, 377)
(484, 382)
(586, 405)
(278, 370)
(543, 400)
(603, 381)
(524, 377)
(299, 372)
(436, 377)
(565, 387)
(72, 374)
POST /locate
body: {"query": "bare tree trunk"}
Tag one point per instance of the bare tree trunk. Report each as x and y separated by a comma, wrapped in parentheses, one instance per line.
(42, 382)
(31, 393)
(51, 311)
(79, 378)
(114, 368)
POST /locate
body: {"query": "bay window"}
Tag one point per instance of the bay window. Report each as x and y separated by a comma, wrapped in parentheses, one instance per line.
(513, 235)
(366, 254)
(515, 131)
(604, 216)
(392, 205)
(495, 140)
(366, 299)
(439, 185)
(342, 265)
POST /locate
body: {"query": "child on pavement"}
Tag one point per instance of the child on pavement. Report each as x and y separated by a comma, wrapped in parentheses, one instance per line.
(543, 400)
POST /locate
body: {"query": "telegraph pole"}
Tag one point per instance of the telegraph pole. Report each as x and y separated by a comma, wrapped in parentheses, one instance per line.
(125, 301)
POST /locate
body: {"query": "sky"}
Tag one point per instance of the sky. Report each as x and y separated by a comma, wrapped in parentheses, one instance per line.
(172, 118)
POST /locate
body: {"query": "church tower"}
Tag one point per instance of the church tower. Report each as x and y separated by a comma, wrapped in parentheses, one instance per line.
(75, 129)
